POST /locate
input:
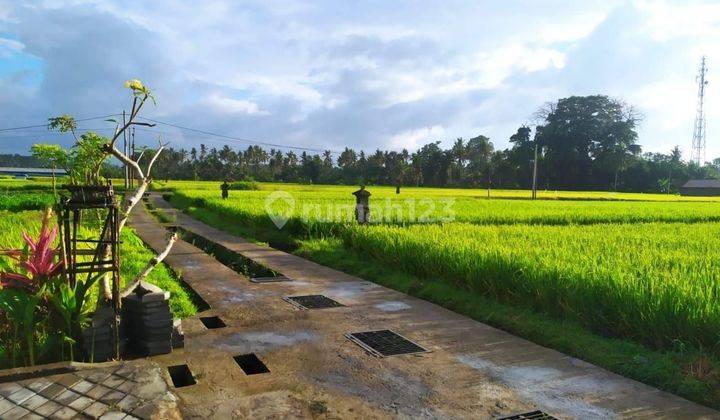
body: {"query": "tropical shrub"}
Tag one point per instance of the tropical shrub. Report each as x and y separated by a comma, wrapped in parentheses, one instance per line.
(244, 185)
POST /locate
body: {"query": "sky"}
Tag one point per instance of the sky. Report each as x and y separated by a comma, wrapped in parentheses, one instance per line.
(371, 74)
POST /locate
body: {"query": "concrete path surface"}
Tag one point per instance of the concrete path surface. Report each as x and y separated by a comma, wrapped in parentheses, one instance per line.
(471, 371)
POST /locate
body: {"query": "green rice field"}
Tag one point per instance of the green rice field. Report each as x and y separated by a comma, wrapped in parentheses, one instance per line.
(648, 271)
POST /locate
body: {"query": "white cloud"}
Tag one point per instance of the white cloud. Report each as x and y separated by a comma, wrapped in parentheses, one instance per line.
(368, 75)
(11, 44)
(665, 20)
(234, 106)
(575, 27)
(414, 138)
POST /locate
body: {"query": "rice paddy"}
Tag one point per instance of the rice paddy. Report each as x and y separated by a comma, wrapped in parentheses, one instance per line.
(640, 270)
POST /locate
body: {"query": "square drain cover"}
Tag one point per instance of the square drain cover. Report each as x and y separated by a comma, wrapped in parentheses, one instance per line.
(384, 343)
(312, 302)
(532, 415)
(269, 279)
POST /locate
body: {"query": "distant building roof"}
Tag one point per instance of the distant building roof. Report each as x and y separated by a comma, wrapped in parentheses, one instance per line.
(702, 183)
(48, 171)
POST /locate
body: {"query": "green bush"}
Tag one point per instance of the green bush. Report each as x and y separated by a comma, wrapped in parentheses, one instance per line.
(244, 185)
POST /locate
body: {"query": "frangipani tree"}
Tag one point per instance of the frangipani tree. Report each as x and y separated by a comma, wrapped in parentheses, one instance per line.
(84, 162)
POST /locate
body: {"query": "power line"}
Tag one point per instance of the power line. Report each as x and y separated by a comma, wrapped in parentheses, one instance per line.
(46, 124)
(238, 139)
(195, 130)
(30, 133)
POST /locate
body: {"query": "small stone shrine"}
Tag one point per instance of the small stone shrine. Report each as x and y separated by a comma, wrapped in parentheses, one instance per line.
(362, 205)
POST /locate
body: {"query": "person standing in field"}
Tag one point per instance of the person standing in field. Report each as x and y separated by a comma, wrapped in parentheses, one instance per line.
(225, 187)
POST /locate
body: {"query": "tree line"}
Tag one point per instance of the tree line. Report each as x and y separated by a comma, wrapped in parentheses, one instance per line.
(581, 143)
(585, 142)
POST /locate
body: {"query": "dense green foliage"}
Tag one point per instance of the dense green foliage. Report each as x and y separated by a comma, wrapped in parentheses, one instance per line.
(19, 161)
(18, 201)
(49, 344)
(244, 185)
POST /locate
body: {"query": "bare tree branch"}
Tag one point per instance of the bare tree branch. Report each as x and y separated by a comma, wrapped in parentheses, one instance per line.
(161, 146)
(140, 156)
(130, 121)
(155, 261)
(143, 177)
(122, 157)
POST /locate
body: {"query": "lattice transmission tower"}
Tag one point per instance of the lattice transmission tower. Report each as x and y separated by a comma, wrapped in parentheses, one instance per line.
(698, 143)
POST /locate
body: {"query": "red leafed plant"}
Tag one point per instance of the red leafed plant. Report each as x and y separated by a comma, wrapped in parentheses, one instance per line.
(37, 261)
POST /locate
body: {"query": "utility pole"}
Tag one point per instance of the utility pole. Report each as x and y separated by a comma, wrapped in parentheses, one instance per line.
(534, 176)
(132, 151)
(488, 180)
(125, 151)
(698, 143)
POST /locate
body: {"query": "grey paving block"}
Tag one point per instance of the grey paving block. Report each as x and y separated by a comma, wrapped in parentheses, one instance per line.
(22, 394)
(82, 387)
(65, 413)
(80, 403)
(66, 397)
(112, 397)
(97, 391)
(9, 388)
(67, 380)
(126, 386)
(32, 416)
(113, 415)
(96, 409)
(144, 411)
(5, 405)
(128, 404)
(113, 381)
(48, 408)
(126, 371)
(34, 402)
(15, 413)
(38, 384)
(97, 375)
(52, 391)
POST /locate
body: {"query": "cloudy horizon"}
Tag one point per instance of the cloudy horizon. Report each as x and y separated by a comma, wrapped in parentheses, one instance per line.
(326, 75)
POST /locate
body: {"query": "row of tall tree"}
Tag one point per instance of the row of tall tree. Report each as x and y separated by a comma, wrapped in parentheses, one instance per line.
(585, 142)
(581, 142)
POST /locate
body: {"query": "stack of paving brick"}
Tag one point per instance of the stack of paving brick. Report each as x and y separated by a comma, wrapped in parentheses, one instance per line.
(147, 319)
(99, 336)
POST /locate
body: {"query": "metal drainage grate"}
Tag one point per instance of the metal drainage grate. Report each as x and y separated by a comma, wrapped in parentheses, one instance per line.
(384, 343)
(532, 415)
(312, 302)
(269, 279)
